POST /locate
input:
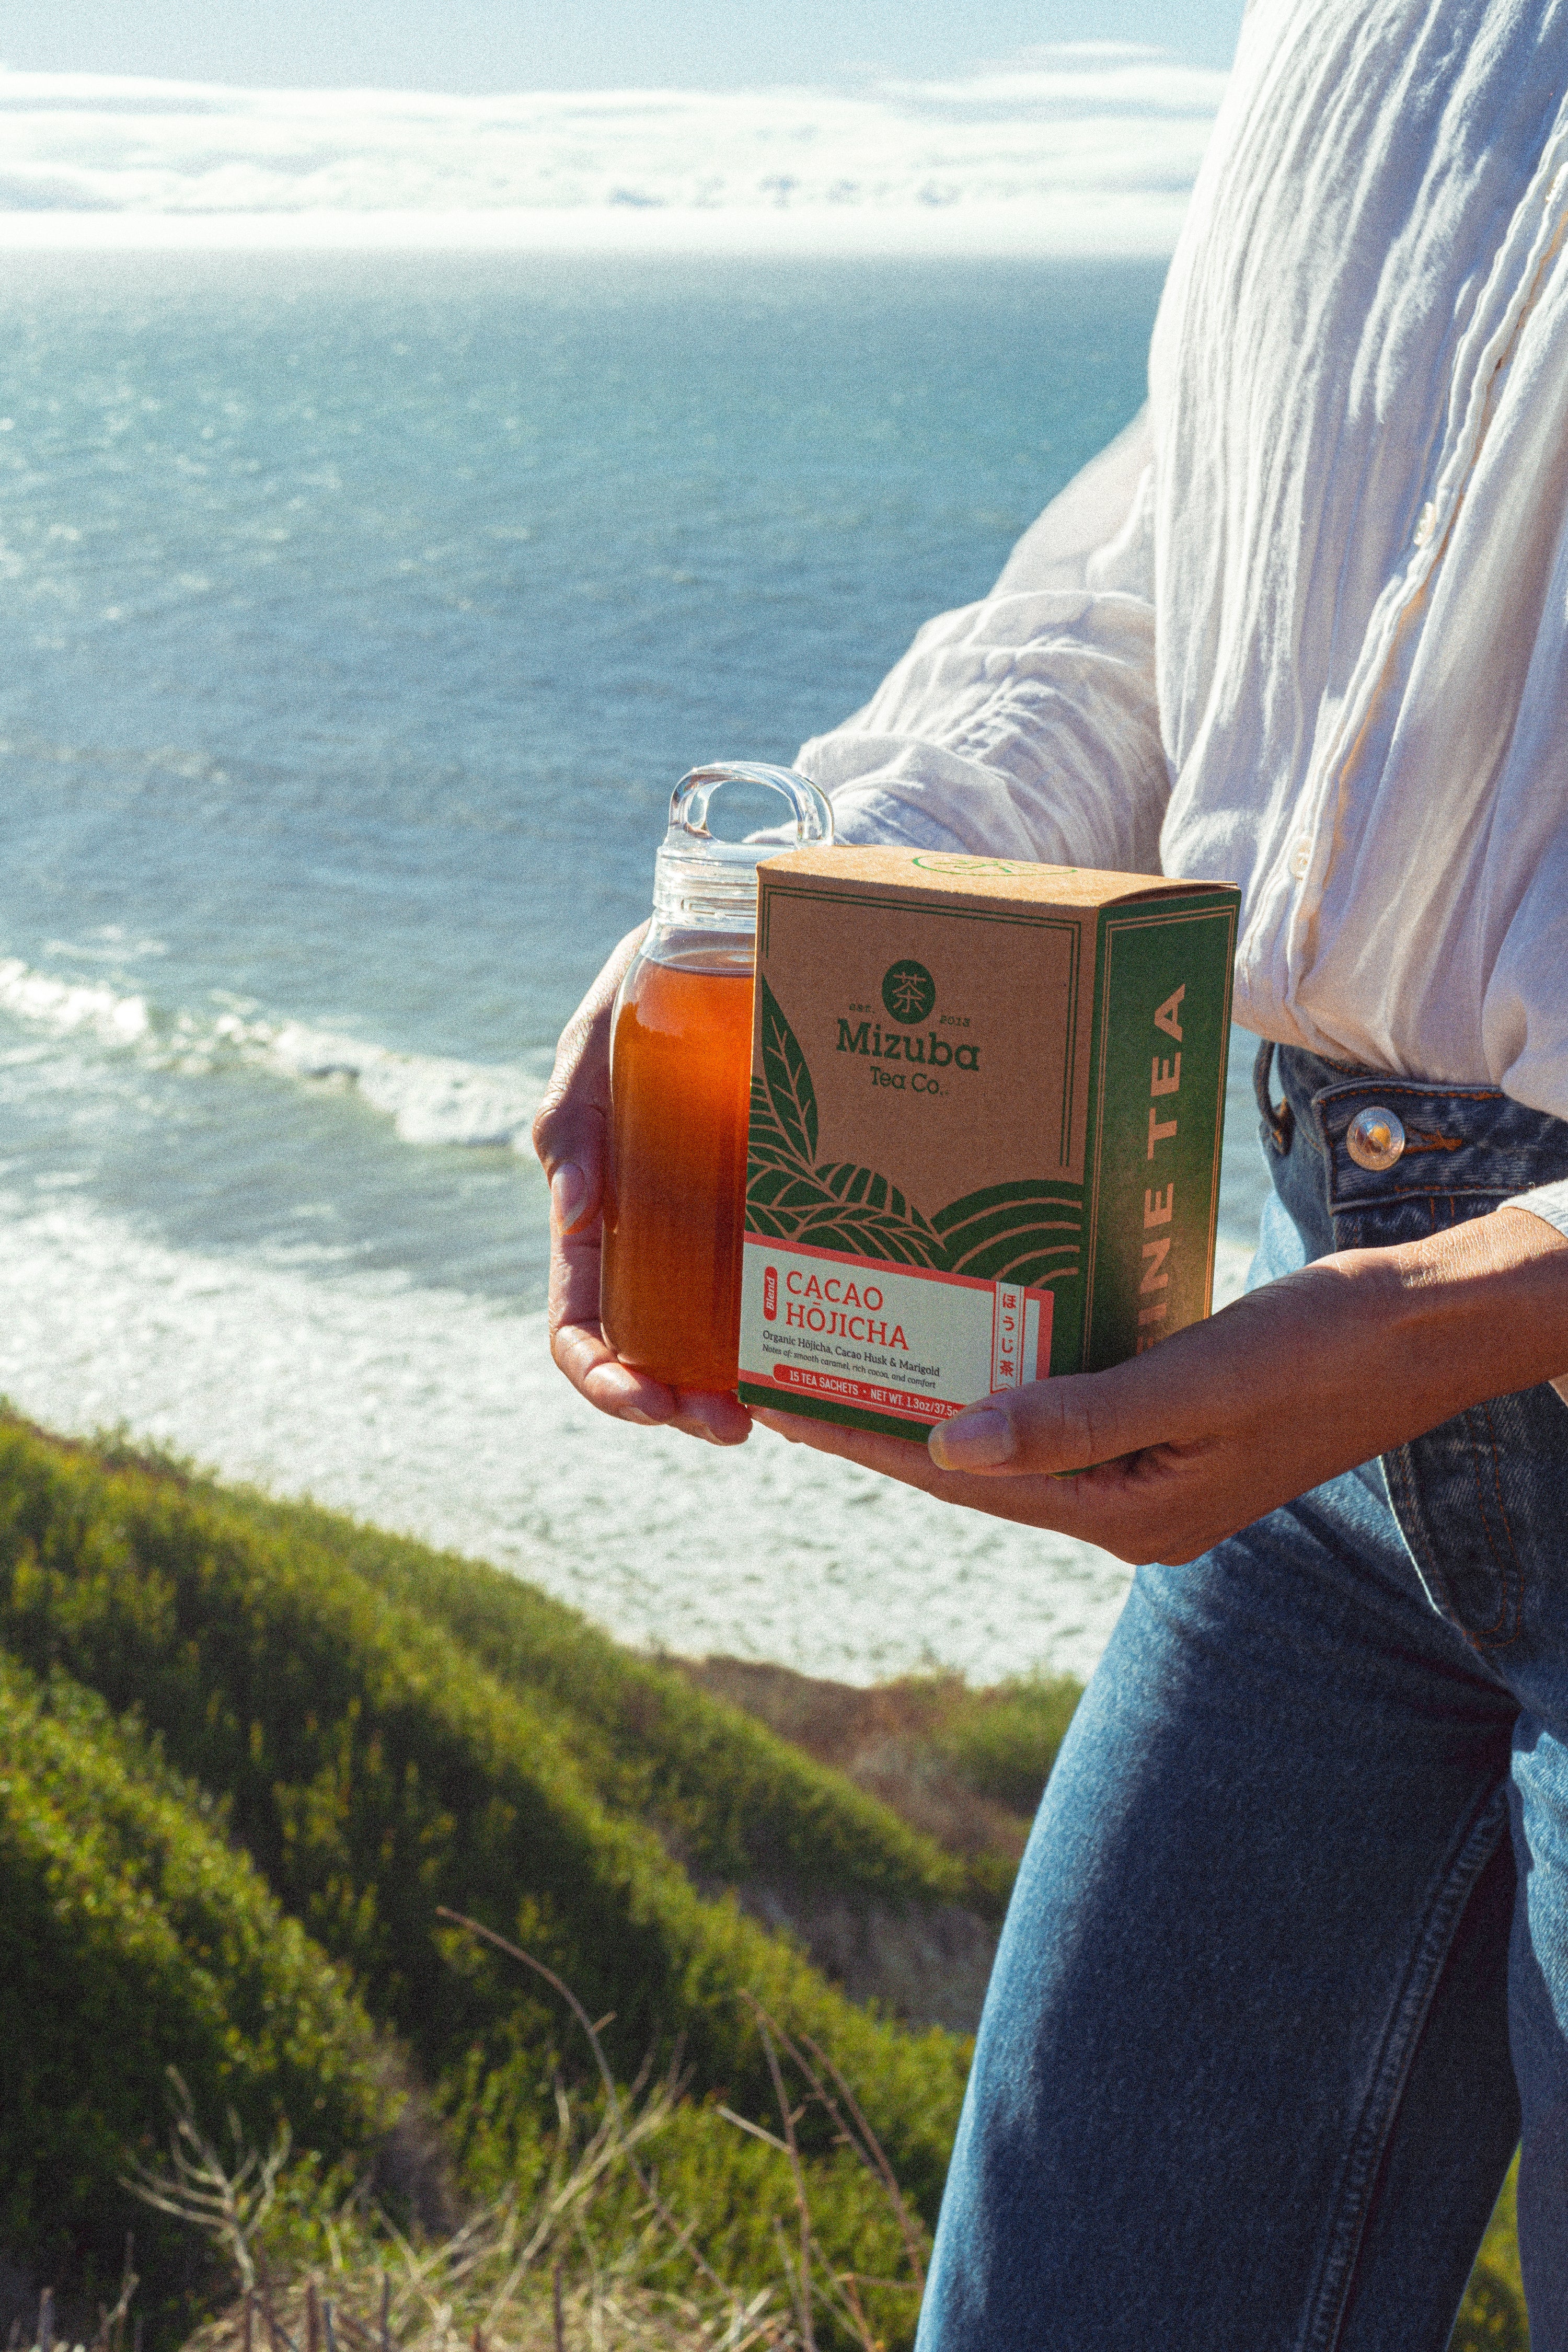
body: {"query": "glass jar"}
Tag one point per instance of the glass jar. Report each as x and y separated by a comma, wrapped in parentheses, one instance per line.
(681, 1063)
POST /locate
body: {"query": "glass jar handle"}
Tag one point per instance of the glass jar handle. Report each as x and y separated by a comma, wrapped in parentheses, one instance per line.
(689, 801)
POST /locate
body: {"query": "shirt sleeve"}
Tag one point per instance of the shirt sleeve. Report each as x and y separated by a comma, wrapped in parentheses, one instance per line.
(1025, 725)
(1547, 1200)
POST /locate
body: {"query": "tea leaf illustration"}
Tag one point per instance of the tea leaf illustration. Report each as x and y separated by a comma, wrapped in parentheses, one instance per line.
(792, 1097)
(1022, 1232)
(787, 1188)
(1020, 1190)
(1032, 1273)
(864, 1232)
(853, 1185)
(862, 1187)
(763, 1220)
(767, 1147)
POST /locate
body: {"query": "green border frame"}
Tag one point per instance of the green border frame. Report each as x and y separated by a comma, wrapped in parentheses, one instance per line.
(1144, 919)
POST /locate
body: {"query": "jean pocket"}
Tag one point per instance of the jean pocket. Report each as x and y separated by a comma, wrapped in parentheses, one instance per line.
(1482, 1503)
(1450, 1492)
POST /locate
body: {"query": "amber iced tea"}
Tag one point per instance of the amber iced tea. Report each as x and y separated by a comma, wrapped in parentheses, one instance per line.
(680, 1063)
(680, 1059)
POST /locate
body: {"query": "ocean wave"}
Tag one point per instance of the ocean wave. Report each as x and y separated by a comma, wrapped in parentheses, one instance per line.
(1061, 134)
(429, 1098)
(67, 1005)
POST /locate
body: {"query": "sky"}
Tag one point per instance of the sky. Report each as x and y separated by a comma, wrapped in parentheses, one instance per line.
(865, 126)
(493, 45)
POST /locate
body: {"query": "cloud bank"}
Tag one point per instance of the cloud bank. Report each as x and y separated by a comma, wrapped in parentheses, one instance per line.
(1068, 149)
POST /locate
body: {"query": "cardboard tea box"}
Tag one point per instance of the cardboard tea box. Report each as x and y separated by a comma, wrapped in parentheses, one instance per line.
(985, 1116)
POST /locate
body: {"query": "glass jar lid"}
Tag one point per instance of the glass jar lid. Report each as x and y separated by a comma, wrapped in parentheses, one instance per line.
(703, 884)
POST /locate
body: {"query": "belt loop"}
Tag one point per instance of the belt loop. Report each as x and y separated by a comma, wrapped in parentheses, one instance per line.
(1278, 1125)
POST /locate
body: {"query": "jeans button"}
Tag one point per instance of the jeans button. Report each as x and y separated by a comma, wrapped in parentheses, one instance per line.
(1374, 1138)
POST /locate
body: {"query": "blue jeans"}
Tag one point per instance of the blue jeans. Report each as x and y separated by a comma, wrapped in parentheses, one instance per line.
(1287, 1957)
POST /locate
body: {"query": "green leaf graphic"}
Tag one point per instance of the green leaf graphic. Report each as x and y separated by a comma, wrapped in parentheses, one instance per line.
(792, 1097)
(1021, 1191)
(787, 1188)
(769, 1150)
(1024, 1231)
(867, 1233)
(764, 1221)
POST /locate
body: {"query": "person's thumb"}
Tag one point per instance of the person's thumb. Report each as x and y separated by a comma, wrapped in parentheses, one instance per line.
(1051, 1427)
(569, 1138)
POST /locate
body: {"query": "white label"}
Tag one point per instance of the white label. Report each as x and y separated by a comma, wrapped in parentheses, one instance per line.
(885, 1338)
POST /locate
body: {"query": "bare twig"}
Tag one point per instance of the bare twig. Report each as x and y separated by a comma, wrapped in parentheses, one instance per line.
(871, 2146)
(484, 2288)
(514, 1951)
(111, 2334)
(757, 2131)
(230, 2208)
(803, 2203)
(864, 2142)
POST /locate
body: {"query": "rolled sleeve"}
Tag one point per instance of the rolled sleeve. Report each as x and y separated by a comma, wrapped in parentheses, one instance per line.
(1025, 725)
(1547, 1201)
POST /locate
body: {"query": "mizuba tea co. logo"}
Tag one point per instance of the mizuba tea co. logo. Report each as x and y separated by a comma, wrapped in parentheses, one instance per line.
(908, 992)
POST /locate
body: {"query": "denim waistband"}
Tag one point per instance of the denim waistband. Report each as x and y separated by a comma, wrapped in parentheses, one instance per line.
(1456, 1139)
(1465, 1148)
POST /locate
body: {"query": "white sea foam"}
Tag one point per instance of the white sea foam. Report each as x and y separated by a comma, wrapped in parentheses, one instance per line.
(441, 1415)
(64, 1005)
(430, 1100)
(1075, 148)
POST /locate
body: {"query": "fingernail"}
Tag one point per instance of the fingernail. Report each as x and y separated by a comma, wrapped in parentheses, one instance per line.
(643, 1419)
(975, 1441)
(568, 1191)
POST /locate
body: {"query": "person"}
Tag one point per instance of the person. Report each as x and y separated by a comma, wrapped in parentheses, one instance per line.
(1286, 1970)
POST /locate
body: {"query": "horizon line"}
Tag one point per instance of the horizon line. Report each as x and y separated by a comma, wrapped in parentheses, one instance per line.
(1107, 227)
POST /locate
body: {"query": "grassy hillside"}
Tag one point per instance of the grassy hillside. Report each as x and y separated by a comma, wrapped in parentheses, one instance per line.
(248, 1748)
(730, 1797)
(134, 1938)
(374, 1768)
(964, 1768)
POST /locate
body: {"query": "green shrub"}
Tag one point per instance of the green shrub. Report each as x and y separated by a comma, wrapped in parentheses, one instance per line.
(1002, 1742)
(375, 1771)
(1492, 2317)
(731, 1797)
(134, 1938)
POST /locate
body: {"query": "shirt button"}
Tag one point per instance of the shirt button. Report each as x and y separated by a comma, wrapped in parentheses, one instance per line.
(1426, 523)
(1300, 858)
(1374, 1138)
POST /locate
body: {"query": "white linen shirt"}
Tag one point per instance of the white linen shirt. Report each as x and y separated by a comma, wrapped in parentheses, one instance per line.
(1304, 628)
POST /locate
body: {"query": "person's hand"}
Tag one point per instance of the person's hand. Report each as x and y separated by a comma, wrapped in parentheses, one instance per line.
(1286, 1388)
(571, 1130)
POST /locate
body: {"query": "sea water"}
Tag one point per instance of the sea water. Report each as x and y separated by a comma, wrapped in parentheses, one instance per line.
(359, 615)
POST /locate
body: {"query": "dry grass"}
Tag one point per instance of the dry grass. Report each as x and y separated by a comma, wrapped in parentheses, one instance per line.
(539, 2276)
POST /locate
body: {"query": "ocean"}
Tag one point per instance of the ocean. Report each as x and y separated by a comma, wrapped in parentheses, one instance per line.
(359, 613)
